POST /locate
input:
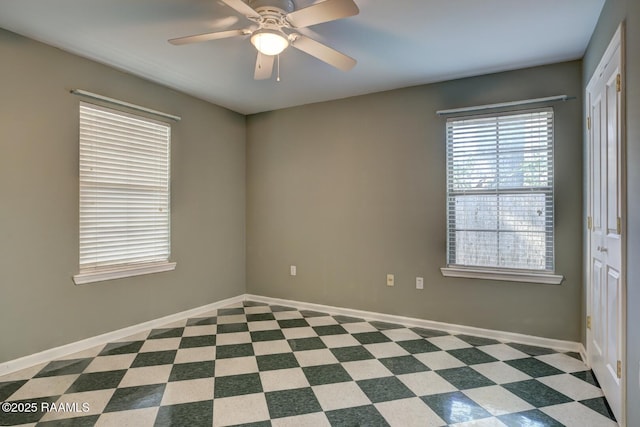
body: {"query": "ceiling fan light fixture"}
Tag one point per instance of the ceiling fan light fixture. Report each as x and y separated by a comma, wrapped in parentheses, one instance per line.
(269, 42)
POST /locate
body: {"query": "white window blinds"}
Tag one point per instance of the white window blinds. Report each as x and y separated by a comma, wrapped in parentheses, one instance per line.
(500, 191)
(124, 190)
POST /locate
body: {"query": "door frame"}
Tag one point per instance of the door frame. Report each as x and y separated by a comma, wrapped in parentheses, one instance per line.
(618, 40)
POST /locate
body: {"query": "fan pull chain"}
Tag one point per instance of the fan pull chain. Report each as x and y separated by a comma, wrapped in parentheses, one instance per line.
(278, 65)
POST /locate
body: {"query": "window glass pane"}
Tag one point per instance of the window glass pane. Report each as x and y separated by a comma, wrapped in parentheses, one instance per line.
(523, 212)
(476, 212)
(519, 250)
(478, 248)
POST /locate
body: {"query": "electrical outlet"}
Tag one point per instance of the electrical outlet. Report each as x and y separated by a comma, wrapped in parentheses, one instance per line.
(293, 270)
(419, 283)
(390, 280)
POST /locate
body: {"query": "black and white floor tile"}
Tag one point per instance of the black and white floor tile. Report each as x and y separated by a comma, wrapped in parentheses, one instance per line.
(258, 365)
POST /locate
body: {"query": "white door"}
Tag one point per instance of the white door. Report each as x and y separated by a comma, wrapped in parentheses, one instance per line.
(605, 281)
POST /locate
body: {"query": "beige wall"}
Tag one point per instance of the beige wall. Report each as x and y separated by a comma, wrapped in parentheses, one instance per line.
(613, 13)
(353, 189)
(40, 307)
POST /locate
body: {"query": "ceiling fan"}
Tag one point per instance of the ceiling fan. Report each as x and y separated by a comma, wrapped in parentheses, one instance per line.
(274, 27)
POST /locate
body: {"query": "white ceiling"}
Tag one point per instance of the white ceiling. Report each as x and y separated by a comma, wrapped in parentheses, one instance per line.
(397, 43)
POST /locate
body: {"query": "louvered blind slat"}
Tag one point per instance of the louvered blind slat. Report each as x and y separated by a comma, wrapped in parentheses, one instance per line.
(500, 208)
(124, 189)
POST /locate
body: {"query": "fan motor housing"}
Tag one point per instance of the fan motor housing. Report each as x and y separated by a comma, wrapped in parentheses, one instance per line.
(283, 6)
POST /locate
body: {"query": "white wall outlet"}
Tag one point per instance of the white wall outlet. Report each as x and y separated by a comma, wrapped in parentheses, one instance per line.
(419, 283)
(390, 280)
(293, 270)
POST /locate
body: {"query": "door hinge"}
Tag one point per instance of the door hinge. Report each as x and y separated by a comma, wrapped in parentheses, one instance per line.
(619, 369)
(619, 83)
(589, 223)
(588, 322)
(619, 226)
(589, 123)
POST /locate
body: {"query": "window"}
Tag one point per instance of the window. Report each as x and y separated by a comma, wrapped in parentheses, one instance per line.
(124, 195)
(500, 206)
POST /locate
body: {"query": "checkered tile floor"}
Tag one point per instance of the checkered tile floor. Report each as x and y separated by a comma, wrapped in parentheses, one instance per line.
(259, 365)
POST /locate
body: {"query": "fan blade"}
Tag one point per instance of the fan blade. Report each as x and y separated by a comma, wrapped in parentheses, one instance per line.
(207, 36)
(264, 67)
(242, 7)
(328, 10)
(323, 53)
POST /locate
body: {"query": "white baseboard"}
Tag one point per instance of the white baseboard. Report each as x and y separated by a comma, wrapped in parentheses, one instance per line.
(502, 336)
(85, 344)
(583, 354)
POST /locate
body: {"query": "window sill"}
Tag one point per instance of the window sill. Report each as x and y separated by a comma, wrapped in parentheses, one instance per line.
(101, 275)
(510, 276)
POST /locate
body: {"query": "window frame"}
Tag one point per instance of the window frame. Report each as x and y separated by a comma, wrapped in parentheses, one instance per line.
(125, 268)
(545, 276)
